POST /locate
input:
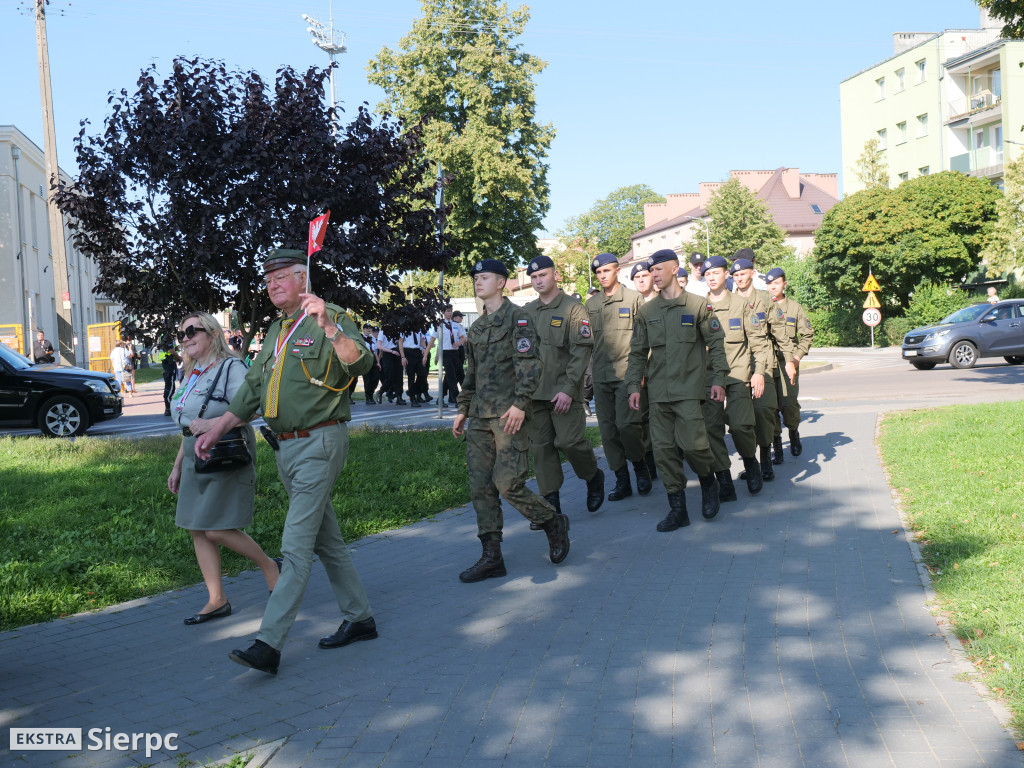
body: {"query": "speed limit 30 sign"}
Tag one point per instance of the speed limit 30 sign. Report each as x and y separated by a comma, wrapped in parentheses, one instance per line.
(871, 317)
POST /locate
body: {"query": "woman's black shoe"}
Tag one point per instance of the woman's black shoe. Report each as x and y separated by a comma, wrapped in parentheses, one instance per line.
(199, 618)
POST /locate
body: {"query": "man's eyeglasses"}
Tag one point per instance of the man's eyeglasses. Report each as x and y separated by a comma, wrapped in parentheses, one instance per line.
(279, 277)
(190, 332)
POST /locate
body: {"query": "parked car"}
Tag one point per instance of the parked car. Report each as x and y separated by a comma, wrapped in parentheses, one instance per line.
(61, 400)
(980, 330)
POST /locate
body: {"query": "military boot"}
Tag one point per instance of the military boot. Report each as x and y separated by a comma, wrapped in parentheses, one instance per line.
(795, 446)
(676, 517)
(557, 529)
(709, 501)
(777, 454)
(652, 468)
(490, 565)
(767, 470)
(623, 487)
(726, 489)
(752, 474)
(643, 477)
(554, 501)
(595, 491)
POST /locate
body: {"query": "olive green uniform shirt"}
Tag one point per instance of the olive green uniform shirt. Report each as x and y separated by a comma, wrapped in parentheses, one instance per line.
(797, 333)
(503, 364)
(668, 348)
(566, 344)
(308, 356)
(611, 320)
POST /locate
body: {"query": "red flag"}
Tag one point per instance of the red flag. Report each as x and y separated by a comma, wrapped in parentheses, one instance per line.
(317, 230)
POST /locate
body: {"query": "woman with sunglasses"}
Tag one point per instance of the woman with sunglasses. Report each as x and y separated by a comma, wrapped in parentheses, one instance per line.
(212, 507)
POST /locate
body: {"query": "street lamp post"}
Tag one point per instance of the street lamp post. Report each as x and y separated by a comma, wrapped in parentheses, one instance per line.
(332, 41)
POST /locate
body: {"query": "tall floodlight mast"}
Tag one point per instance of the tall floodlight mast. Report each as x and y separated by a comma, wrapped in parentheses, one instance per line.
(328, 39)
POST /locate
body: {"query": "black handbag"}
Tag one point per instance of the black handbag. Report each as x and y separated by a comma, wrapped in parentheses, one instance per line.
(232, 451)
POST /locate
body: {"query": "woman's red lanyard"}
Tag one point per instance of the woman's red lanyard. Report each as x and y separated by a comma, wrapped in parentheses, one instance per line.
(193, 379)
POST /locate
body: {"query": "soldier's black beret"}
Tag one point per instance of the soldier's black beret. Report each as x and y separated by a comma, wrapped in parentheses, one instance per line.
(489, 265)
(539, 263)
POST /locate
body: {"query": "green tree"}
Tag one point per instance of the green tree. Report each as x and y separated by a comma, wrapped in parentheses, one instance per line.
(739, 219)
(1011, 12)
(612, 221)
(871, 167)
(463, 73)
(1005, 249)
(572, 259)
(928, 227)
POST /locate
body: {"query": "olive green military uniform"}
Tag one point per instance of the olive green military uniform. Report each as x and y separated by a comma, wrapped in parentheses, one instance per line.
(766, 406)
(308, 465)
(747, 353)
(503, 369)
(611, 320)
(672, 343)
(796, 340)
(566, 343)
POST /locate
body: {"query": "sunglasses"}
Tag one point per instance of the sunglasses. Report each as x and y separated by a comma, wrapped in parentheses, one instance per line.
(190, 332)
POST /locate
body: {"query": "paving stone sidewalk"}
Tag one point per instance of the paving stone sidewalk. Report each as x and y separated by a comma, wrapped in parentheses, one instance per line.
(790, 631)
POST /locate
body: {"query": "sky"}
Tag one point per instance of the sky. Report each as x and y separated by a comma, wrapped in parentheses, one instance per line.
(667, 93)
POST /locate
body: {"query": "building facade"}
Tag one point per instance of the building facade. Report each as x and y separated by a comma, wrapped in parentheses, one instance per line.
(27, 297)
(939, 103)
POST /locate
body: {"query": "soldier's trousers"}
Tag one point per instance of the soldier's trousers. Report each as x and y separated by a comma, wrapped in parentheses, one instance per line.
(766, 413)
(621, 427)
(552, 432)
(645, 420)
(308, 467)
(788, 404)
(674, 426)
(498, 463)
(738, 413)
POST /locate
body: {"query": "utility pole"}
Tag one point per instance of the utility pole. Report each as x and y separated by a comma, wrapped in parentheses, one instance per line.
(65, 329)
(333, 43)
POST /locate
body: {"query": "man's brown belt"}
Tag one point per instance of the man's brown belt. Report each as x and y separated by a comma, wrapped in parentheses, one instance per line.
(304, 432)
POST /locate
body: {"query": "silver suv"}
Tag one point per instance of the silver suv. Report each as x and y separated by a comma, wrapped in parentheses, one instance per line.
(980, 330)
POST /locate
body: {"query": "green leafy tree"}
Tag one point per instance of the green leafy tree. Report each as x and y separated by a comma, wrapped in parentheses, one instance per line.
(1005, 249)
(739, 219)
(871, 166)
(1011, 12)
(463, 73)
(612, 221)
(931, 226)
(572, 259)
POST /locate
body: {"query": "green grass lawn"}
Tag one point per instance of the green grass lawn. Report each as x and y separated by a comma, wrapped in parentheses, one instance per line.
(90, 523)
(958, 475)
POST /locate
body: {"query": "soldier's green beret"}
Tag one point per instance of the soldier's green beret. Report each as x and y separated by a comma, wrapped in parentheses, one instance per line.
(282, 257)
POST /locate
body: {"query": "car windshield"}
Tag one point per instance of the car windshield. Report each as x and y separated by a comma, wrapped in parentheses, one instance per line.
(13, 359)
(972, 312)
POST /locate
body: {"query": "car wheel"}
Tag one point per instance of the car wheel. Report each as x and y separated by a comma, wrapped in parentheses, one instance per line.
(63, 417)
(963, 355)
(1014, 359)
(923, 365)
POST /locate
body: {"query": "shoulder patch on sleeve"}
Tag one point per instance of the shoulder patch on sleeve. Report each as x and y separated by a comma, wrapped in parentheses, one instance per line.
(715, 325)
(523, 345)
(808, 324)
(585, 329)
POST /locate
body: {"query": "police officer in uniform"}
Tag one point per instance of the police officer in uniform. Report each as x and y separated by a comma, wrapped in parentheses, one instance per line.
(766, 407)
(502, 374)
(668, 351)
(298, 382)
(798, 336)
(557, 421)
(747, 351)
(612, 312)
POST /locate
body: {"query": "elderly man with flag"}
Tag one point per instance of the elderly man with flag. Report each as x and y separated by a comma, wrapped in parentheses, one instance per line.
(298, 382)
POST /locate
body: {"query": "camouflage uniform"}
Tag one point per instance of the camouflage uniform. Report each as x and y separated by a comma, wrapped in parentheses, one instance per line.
(503, 369)
(795, 340)
(563, 328)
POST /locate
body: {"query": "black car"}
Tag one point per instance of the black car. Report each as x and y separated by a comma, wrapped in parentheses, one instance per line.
(980, 330)
(59, 399)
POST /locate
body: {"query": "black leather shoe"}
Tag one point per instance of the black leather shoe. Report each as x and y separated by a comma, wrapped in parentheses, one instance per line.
(726, 487)
(415, 403)
(677, 516)
(752, 474)
(400, 401)
(490, 565)
(200, 618)
(350, 632)
(595, 491)
(795, 446)
(555, 501)
(557, 530)
(709, 502)
(643, 477)
(767, 468)
(259, 656)
(623, 487)
(777, 453)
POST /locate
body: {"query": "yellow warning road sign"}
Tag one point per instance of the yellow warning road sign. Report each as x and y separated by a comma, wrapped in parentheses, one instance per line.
(871, 302)
(871, 284)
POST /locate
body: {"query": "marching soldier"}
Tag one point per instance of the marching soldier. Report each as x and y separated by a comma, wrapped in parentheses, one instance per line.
(612, 312)
(798, 336)
(504, 369)
(668, 350)
(557, 422)
(747, 351)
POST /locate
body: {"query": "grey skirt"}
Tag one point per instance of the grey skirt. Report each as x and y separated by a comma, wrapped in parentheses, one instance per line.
(219, 501)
